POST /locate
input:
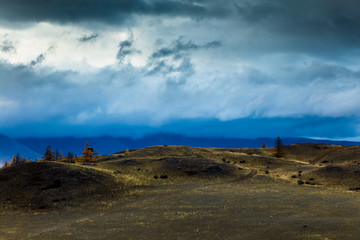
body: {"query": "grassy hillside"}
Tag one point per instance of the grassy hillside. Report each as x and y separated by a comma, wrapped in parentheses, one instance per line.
(176, 192)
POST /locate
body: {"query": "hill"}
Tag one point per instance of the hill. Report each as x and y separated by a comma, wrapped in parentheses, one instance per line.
(309, 163)
(108, 145)
(178, 192)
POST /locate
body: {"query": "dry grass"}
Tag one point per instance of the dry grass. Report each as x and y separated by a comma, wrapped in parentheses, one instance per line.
(199, 193)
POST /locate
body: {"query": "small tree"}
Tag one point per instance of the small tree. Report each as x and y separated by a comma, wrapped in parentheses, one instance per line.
(77, 159)
(15, 160)
(6, 164)
(279, 152)
(263, 145)
(49, 154)
(70, 157)
(57, 154)
(88, 153)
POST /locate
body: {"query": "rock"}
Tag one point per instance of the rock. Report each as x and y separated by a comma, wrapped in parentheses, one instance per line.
(191, 173)
(214, 169)
(293, 176)
(300, 182)
(242, 161)
(267, 172)
(156, 177)
(163, 176)
(311, 179)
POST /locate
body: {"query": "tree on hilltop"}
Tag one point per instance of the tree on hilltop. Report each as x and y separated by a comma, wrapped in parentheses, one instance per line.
(88, 153)
(49, 154)
(6, 164)
(279, 152)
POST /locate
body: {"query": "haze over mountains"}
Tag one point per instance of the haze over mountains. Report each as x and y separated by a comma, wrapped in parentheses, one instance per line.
(34, 148)
(10, 147)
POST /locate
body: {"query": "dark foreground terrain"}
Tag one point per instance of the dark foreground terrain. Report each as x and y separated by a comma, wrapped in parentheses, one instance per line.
(171, 192)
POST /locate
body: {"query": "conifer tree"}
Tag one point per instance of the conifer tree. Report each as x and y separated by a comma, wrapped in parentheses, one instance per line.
(6, 164)
(49, 154)
(57, 154)
(70, 157)
(88, 153)
(15, 160)
(279, 152)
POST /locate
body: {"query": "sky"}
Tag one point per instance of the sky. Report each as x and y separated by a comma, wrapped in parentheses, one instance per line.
(235, 68)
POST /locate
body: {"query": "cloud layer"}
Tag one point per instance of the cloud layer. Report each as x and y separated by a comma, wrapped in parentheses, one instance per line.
(155, 63)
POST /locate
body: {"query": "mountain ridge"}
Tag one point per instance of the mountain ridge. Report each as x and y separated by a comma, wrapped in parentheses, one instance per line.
(34, 147)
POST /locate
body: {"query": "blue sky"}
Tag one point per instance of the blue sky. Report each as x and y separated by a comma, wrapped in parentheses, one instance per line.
(232, 68)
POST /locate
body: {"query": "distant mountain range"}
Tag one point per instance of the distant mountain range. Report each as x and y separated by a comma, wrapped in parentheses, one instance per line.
(34, 148)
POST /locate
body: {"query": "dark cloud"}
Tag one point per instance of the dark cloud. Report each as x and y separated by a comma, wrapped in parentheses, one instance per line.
(126, 48)
(320, 24)
(108, 11)
(88, 38)
(7, 46)
(176, 58)
(179, 47)
(41, 57)
(38, 60)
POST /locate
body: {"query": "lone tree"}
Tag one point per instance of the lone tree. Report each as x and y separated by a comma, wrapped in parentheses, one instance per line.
(88, 153)
(279, 152)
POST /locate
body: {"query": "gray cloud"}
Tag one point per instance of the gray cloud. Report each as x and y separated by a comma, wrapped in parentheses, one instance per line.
(176, 59)
(126, 48)
(179, 47)
(41, 57)
(7, 46)
(320, 27)
(88, 38)
(38, 60)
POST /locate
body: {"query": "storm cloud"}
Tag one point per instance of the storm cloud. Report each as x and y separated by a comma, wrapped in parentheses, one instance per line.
(107, 11)
(161, 64)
